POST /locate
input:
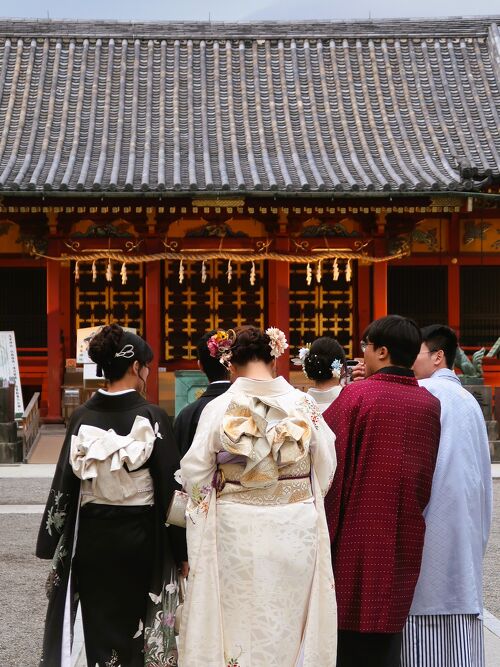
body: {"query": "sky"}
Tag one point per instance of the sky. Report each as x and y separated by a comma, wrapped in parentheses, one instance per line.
(242, 10)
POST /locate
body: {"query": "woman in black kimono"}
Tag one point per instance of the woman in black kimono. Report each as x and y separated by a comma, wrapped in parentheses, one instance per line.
(104, 523)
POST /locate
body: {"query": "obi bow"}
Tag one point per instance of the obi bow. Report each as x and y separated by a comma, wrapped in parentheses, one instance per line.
(101, 456)
(267, 438)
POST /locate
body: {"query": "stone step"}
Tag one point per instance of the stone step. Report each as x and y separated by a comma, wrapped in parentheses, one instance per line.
(493, 428)
(495, 451)
(483, 396)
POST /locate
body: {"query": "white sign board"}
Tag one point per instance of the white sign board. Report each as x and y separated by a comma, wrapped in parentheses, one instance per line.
(83, 337)
(9, 368)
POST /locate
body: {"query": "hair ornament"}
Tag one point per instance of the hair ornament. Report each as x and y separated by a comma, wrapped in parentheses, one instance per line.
(127, 351)
(302, 356)
(219, 345)
(336, 368)
(304, 352)
(278, 342)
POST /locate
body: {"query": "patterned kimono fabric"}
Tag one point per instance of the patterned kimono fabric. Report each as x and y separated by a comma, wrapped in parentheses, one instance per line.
(260, 590)
(106, 536)
(325, 397)
(387, 430)
(445, 627)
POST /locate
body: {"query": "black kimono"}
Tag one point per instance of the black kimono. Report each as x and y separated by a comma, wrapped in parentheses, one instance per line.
(124, 565)
(186, 422)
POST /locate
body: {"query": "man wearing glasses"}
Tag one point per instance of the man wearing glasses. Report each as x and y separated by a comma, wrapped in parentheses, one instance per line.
(387, 435)
(446, 614)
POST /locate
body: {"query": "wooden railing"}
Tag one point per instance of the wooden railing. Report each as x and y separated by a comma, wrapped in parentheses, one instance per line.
(30, 424)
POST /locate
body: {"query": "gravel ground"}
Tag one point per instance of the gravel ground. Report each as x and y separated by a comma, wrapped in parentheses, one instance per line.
(24, 491)
(22, 596)
(492, 560)
(22, 575)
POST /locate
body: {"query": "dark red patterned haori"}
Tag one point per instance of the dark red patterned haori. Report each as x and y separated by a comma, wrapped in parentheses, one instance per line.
(387, 430)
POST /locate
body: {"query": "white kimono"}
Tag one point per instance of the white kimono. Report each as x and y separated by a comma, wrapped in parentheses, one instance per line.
(325, 397)
(260, 590)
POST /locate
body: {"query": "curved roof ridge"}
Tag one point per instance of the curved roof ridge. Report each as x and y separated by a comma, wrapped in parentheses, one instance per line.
(403, 27)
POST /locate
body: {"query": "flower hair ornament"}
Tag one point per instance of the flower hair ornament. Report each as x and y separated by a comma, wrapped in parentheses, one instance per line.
(219, 345)
(301, 359)
(278, 342)
(304, 352)
(336, 368)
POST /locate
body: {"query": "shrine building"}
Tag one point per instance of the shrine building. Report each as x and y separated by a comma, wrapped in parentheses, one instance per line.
(178, 177)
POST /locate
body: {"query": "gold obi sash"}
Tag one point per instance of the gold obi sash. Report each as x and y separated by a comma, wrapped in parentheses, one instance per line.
(109, 464)
(293, 485)
(144, 494)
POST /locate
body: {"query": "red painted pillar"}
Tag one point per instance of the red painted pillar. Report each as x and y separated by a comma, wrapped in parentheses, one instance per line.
(278, 313)
(454, 296)
(454, 274)
(364, 305)
(66, 280)
(379, 290)
(54, 349)
(153, 325)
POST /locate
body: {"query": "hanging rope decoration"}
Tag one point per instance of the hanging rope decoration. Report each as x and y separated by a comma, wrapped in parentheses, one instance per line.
(77, 272)
(252, 274)
(318, 272)
(336, 272)
(231, 256)
(309, 274)
(123, 273)
(348, 271)
(109, 272)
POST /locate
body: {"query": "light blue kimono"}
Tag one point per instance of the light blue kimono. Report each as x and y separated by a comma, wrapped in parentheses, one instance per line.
(458, 516)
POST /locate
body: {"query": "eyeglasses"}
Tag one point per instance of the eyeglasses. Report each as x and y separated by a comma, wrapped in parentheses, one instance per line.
(363, 345)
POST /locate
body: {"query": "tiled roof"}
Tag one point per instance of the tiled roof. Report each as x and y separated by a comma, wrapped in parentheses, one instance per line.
(354, 106)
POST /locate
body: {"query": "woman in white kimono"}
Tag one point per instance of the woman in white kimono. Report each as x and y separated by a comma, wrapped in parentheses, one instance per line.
(324, 363)
(261, 591)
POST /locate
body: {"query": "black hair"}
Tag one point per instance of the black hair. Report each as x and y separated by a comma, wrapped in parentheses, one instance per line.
(400, 335)
(318, 363)
(251, 344)
(441, 337)
(115, 350)
(211, 366)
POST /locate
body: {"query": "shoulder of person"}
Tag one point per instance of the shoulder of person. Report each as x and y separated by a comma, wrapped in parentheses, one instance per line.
(156, 410)
(428, 395)
(187, 410)
(77, 416)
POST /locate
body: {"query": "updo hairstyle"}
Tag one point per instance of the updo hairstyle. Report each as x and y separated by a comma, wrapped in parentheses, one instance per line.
(318, 363)
(111, 341)
(251, 344)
